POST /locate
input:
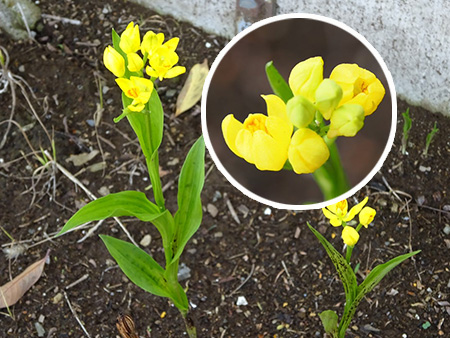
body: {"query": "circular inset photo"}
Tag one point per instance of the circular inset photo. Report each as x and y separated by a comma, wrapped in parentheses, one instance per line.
(299, 111)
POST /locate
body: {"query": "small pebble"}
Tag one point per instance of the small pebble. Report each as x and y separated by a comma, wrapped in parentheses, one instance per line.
(21, 68)
(146, 240)
(241, 301)
(40, 329)
(184, 272)
(103, 191)
(173, 162)
(57, 298)
(424, 169)
(208, 45)
(171, 93)
(213, 211)
(218, 234)
(267, 211)
(41, 319)
(91, 123)
(447, 229)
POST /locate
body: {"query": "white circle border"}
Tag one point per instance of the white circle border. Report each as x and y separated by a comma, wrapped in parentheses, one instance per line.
(380, 61)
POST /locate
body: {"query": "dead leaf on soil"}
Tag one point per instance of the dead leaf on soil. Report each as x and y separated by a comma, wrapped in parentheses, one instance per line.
(11, 292)
(82, 158)
(192, 90)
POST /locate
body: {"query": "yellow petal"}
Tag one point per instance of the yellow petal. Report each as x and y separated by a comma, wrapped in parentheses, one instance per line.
(172, 44)
(340, 208)
(143, 84)
(151, 42)
(267, 153)
(350, 236)
(113, 61)
(280, 130)
(130, 40)
(376, 92)
(244, 142)
(126, 85)
(174, 72)
(151, 72)
(336, 222)
(306, 76)
(355, 210)
(230, 129)
(136, 108)
(367, 215)
(307, 151)
(276, 107)
(135, 63)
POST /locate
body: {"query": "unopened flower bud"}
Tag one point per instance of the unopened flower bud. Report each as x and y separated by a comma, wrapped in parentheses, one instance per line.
(347, 120)
(306, 76)
(328, 96)
(300, 111)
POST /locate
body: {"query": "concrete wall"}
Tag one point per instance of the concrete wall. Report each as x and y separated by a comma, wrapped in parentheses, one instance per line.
(413, 36)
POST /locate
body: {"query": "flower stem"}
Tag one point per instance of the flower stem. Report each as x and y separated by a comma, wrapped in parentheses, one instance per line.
(153, 171)
(349, 253)
(189, 323)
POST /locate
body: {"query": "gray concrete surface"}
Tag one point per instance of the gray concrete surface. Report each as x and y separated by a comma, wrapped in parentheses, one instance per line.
(13, 13)
(412, 36)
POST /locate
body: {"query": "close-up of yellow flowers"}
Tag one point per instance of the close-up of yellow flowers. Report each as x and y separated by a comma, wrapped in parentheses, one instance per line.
(303, 120)
(338, 215)
(127, 65)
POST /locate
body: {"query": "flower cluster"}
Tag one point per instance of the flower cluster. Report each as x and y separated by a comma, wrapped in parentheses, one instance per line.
(127, 65)
(295, 130)
(338, 215)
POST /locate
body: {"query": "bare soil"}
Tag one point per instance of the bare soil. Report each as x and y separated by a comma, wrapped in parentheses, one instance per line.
(288, 277)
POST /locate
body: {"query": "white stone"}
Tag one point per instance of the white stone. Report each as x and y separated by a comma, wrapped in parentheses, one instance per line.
(241, 301)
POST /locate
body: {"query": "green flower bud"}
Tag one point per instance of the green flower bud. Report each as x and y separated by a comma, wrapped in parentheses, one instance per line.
(300, 111)
(328, 96)
(347, 120)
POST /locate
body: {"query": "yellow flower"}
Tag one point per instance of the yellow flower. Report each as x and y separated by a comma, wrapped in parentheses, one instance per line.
(162, 64)
(130, 40)
(347, 120)
(261, 140)
(300, 111)
(138, 89)
(350, 235)
(337, 213)
(359, 86)
(367, 215)
(307, 151)
(306, 76)
(113, 61)
(328, 96)
(135, 62)
(151, 42)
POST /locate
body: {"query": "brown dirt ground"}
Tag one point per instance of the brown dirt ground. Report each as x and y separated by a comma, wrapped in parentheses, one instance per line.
(292, 279)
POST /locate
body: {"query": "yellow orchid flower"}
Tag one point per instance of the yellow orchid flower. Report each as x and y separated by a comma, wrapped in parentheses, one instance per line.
(359, 86)
(347, 120)
(162, 64)
(306, 76)
(350, 236)
(307, 151)
(135, 62)
(366, 216)
(137, 88)
(130, 40)
(261, 140)
(113, 61)
(151, 42)
(337, 213)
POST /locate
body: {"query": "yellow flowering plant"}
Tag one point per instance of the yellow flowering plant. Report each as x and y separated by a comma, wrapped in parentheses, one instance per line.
(143, 110)
(340, 216)
(304, 117)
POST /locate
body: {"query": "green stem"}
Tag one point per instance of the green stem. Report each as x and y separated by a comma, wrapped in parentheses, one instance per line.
(331, 177)
(348, 256)
(189, 323)
(153, 171)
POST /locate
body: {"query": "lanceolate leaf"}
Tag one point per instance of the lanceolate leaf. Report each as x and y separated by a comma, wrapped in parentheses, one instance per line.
(278, 83)
(375, 276)
(343, 268)
(329, 320)
(139, 267)
(125, 203)
(189, 214)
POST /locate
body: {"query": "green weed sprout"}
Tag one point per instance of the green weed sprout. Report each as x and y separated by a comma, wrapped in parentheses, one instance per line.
(143, 110)
(407, 124)
(429, 139)
(339, 215)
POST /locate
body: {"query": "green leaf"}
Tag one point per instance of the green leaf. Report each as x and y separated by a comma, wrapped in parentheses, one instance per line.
(190, 185)
(344, 270)
(125, 203)
(375, 276)
(329, 320)
(139, 267)
(277, 83)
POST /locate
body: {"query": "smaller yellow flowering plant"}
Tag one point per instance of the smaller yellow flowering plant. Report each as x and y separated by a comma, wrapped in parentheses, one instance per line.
(143, 110)
(339, 216)
(304, 117)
